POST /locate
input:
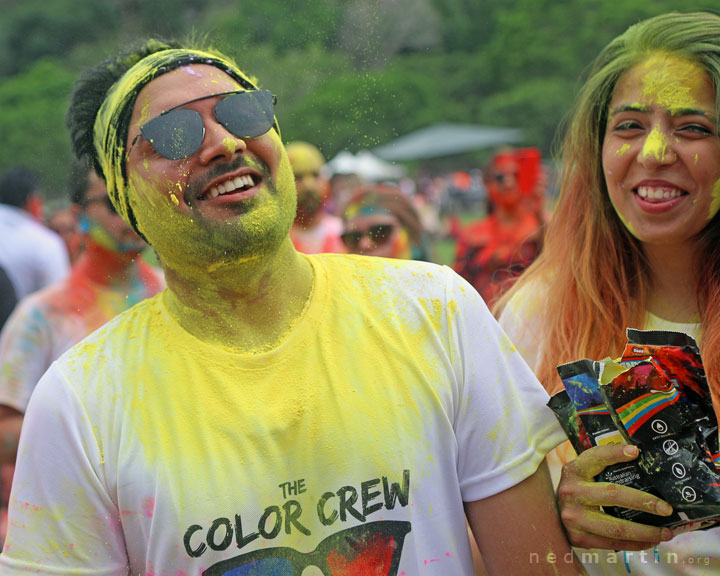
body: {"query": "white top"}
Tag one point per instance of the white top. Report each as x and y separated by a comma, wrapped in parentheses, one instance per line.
(687, 554)
(32, 255)
(394, 398)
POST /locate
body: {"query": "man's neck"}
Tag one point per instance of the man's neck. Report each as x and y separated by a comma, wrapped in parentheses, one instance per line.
(250, 306)
(108, 267)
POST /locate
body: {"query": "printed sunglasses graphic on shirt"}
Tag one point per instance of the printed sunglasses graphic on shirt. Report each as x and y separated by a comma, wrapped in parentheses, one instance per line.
(369, 549)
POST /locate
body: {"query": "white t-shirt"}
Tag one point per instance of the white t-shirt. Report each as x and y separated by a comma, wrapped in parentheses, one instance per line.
(32, 255)
(687, 554)
(394, 398)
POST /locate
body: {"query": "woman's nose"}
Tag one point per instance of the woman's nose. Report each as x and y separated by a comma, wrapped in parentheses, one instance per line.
(657, 149)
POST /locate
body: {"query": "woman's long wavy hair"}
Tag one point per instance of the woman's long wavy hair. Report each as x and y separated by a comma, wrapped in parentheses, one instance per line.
(596, 272)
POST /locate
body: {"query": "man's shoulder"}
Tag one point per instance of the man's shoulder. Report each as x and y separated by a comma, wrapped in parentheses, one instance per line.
(124, 331)
(373, 266)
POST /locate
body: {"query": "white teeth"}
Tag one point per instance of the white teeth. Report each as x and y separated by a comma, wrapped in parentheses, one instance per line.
(650, 193)
(230, 186)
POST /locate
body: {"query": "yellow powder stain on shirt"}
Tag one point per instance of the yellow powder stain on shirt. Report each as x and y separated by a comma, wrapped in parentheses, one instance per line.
(696, 158)
(433, 309)
(621, 151)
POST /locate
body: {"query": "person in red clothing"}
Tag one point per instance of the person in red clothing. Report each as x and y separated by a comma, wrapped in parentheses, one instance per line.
(314, 230)
(491, 252)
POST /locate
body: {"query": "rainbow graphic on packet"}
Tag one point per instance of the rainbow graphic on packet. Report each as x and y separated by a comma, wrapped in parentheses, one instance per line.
(638, 411)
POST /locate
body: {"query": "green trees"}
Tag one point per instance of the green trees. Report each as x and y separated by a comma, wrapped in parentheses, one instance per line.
(349, 74)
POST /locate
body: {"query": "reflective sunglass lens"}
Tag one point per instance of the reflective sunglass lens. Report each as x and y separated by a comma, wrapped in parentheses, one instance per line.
(175, 135)
(246, 114)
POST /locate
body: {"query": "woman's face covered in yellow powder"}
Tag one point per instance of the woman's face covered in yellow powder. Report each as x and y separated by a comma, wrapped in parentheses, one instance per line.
(661, 153)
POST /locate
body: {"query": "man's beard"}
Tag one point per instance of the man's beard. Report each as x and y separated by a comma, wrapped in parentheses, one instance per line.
(309, 203)
(254, 228)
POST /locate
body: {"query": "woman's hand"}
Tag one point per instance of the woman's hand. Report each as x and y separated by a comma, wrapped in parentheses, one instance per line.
(579, 498)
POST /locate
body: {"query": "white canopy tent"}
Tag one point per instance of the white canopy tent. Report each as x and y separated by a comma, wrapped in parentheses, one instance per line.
(366, 165)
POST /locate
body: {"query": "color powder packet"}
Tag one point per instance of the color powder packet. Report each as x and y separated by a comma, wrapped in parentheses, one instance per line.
(662, 404)
(679, 356)
(655, 396)
(582, 413)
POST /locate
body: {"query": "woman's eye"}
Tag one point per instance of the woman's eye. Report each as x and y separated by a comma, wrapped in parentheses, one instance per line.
(696, 129)
(628, 125)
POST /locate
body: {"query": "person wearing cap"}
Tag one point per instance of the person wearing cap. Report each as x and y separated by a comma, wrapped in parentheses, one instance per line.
(270, 411)
(314, 229)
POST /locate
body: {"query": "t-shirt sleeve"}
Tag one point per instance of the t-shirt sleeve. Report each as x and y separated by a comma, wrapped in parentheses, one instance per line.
(25, 353)
(502, 424)
(62, 519)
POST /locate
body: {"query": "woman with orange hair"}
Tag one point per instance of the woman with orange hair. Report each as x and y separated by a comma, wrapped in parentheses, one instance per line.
(632, 243)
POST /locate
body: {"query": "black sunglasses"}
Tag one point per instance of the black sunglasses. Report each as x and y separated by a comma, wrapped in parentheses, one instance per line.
(378, 235)
(178, 132)
(106, 199)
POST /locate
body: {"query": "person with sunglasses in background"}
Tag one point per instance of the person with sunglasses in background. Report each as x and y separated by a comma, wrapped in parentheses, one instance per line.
(270, 411)
(314, 229)
(380, 220)
(109, 277)
(493, 251)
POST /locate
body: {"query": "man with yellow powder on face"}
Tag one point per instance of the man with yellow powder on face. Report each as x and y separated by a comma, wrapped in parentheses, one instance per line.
(314, 230)
(270, 412)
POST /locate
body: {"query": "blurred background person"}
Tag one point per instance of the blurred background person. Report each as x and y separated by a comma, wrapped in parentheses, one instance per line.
(107, 279)
(381, 220)
(494, 250)
(314, 229)
(65, 223)
(32, 255)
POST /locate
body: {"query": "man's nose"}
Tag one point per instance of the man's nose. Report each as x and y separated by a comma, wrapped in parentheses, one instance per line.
(220, 144)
